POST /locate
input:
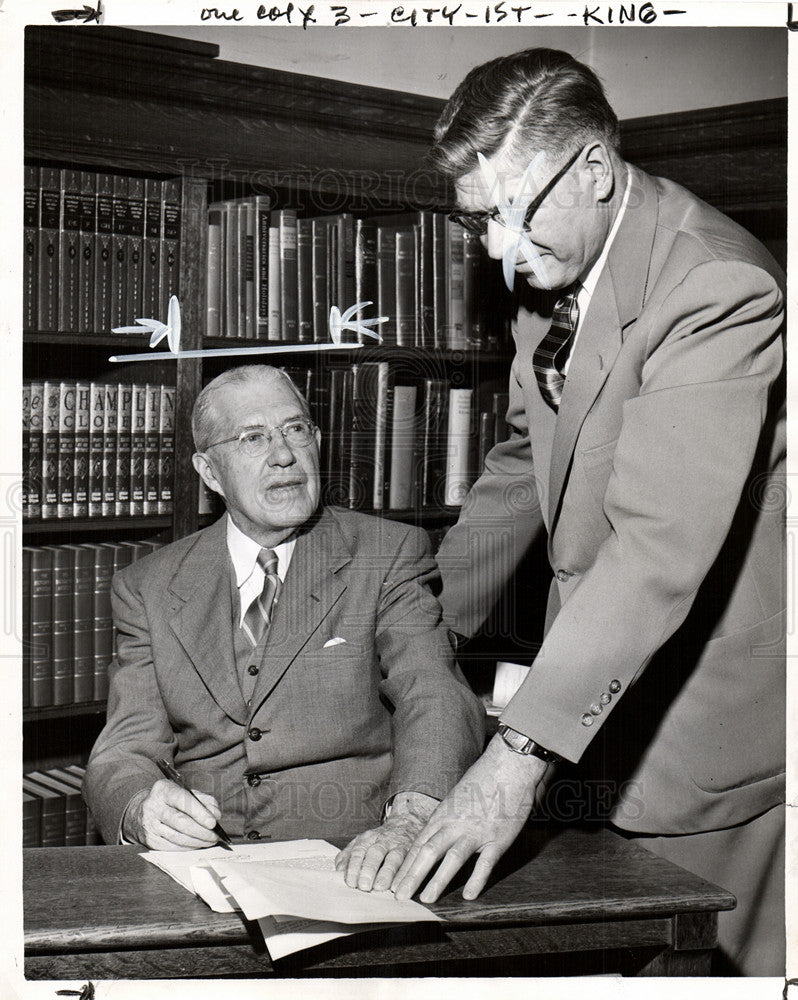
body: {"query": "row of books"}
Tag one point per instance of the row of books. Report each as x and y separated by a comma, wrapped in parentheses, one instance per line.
(274, 276)
(393, 442)
(53, 811)
(100, 249)
(93, 449)
(68, 638)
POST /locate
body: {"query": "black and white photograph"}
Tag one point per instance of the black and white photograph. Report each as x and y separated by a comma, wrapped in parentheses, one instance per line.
(397, 550)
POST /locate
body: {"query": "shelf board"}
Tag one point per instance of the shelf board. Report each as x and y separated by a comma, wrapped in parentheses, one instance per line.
(63, 711)
(367, 352)
(54, 338)
(89, 524)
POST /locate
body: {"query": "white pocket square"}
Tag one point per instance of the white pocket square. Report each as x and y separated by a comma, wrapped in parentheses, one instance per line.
(334, 642)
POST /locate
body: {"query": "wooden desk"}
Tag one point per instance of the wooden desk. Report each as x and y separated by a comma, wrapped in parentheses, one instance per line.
(566, 901)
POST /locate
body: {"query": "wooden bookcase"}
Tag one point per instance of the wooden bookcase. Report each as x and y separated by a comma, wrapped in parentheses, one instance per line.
(120, 100)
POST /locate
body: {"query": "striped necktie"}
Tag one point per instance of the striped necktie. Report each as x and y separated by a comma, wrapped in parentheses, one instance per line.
(258, 615)
(552, 352)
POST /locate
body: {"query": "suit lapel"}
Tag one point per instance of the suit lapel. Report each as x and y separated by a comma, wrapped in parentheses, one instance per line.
(202, 620)
(312, 587)
(616, 303)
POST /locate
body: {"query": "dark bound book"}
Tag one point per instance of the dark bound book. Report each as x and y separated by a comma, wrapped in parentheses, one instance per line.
(304, 257)
(134, 296)
(52, 808)
(40, 637)
(49, 242)
(62, 635)
(151, 267)
(74, 806)
(82, 622)
(362, 430)
(104, 255)
(102, 622)
(170, 247)
(289, 305)
(88, 250)
(69, 253)
(119, 253)
(30, 268)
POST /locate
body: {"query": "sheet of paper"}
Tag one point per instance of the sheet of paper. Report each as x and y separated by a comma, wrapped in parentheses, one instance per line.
(284, 935)
(262, 890)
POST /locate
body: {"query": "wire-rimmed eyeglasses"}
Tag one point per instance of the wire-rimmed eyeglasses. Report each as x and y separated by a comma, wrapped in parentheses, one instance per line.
(477, 222)
(298, 432)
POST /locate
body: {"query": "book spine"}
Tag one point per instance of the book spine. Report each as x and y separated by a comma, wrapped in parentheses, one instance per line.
(457, 447)
(304, 258)
(213, 323)
(381, 434)
(403, 434)
(289, 304)
(248, 268)
(321, 295)
(83, 622)
(104, 255)
(96, 447)
(26, 389)
(80, 468)
(455, 250)
(361, 467)
(134, 298)
(151, 264)
(346, 262)
(439, 222)
(472, 299)
(69, 252)
(27, 561)
(124, 425)
(63, 648)
(31, 820)
(152, 413)
(73, 775)
(166, 448)
(138, 438)
(275, 296)
(170, 248)
(261, 264)
(102, 619)
(41, 627)
(35, 445)
(74, 807)
(119, 253)
(109, 449)
(366, 289)
(88, 250)
(66, 449)
(49, 221)
(30, 313)
(405, 288)
(49, 487)
(52, 809)
(231, 269)
(434, 446)
(386, 282)
(426, 295)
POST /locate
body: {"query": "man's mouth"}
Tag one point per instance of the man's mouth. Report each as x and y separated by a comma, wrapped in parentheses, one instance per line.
(284, 485)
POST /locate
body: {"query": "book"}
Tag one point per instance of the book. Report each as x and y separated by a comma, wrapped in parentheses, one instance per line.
(62, 635)
(381, 417)
(35, 451)
(338, 423)
(231, 273)
(439, 236)
(454, 249)
(103, 255)
(119, 252)
(366, 288)
(321, 291)
(433, 442)
(342, 273)
(304, 256)
(457, 447)
(425, 329)
(88, 250)
(403, 433)
(134, 296)
(40, 639)
(80, 466)
(152, 422)
(110, 431)
(386, 282)
(275, 295)
(247, 223)
(27, 559)
(405, 294)
(473, 320)
(262, 204)
(69, 253)
(289, 304)
(25, 445)
(82, 622)
(170, 243)
(124, 441)
(52, 810)
(30, 267)
(50, 417)
(97, 392)
(102, 619)
(74, 806)
(31, 820)
(166, 448)
(49, 244)
(73, 775)
(151, 250)
(66, 449)
(138, 437)
(364, 418)
(214, 272)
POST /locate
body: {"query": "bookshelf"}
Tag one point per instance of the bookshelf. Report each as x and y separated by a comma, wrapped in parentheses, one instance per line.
(146, 106)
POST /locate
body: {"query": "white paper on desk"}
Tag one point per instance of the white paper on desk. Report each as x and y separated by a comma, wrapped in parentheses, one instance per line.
(192, 869)
(284, 935)
(263, 890)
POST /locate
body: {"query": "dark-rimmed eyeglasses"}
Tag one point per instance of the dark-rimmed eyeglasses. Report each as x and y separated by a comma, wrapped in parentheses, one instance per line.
(298, 432)
(477, 222)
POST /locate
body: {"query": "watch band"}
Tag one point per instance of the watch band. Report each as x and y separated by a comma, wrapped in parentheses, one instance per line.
(519, 743)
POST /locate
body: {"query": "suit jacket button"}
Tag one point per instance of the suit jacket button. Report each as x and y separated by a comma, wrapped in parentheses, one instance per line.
(615, 686)
(252, 669)
(254, 734)
(596, 708)
(563, 575)
(253, 835)
(605, 698)
(253, 780)
(587, 720)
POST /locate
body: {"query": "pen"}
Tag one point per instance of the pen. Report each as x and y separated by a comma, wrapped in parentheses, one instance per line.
(172, 774)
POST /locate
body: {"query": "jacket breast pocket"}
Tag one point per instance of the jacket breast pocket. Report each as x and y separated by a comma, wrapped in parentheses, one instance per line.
(596, 468)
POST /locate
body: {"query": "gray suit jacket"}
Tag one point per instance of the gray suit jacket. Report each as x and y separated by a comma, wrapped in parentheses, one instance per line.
(660, 486)
(331, 730)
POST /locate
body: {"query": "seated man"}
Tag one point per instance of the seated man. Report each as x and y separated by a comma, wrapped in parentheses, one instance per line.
(290, 659)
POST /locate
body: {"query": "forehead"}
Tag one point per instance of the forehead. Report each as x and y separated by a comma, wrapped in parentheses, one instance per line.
(482, 189)
(265, 400)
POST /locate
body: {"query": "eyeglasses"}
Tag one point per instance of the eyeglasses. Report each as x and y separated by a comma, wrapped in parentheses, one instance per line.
(477, 222)
(254, 441)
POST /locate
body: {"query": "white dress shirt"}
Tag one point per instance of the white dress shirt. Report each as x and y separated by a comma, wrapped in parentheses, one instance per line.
(244, 553)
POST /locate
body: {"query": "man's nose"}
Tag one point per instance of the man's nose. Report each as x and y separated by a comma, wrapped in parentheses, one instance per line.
(278, 452)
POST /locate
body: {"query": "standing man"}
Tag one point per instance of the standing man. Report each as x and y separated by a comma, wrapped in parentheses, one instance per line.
(290, 659)
(646, 409)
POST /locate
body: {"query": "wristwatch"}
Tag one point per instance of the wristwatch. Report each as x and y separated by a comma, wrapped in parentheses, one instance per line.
(519, 743)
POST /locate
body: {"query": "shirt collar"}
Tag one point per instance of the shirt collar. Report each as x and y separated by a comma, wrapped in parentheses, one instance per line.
(244, 553)
(590, 280)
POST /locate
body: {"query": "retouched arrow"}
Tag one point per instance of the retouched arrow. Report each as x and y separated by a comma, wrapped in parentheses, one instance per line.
(85, 15)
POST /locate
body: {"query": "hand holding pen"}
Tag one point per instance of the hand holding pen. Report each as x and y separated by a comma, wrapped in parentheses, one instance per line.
(172, 774)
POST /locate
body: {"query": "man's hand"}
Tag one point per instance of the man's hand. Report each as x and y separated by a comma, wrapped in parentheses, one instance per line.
(483, 814)
(167, 818)
(372, 859)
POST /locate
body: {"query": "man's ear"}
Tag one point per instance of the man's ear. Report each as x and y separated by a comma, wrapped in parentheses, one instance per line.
(601, 167)
(206, 472)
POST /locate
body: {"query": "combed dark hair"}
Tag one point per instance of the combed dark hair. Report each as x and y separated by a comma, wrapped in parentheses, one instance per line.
(538, 99)
(202, 422)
